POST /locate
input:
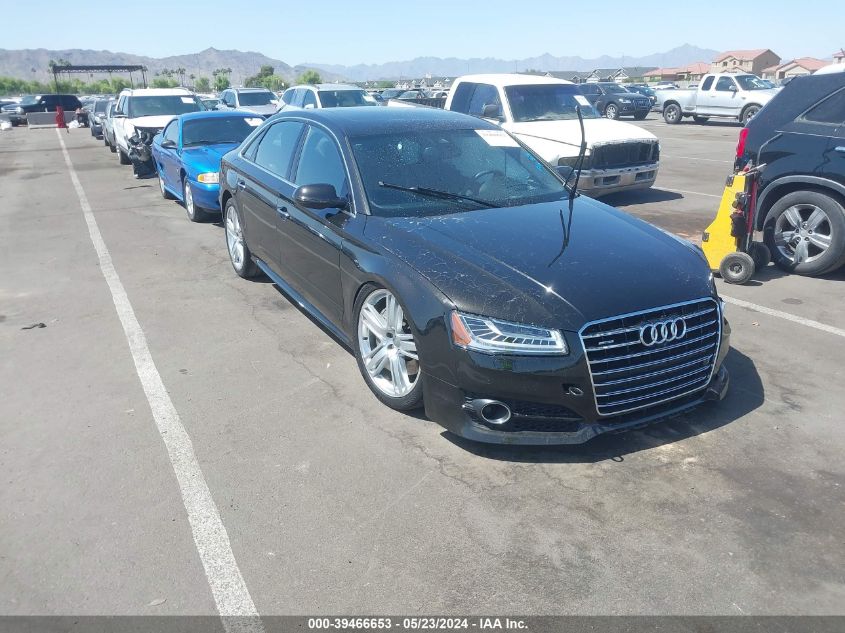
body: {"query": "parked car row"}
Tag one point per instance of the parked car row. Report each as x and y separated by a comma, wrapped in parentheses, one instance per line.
(443, 251)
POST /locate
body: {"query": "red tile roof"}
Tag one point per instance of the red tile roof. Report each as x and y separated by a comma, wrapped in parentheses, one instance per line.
(742, 55)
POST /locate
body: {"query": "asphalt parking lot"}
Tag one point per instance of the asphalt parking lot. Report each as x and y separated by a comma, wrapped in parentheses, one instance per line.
(331, 502)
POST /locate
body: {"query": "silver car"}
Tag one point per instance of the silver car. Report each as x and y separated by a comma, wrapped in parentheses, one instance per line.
(309, 96)
(259, 101)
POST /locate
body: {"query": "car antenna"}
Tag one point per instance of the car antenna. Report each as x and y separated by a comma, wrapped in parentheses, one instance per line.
(572, 192)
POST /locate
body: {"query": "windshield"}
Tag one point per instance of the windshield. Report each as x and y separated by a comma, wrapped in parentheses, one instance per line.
(484, 164)
(256, 98)
(391, 93)
(213, 130)
(547, 102)
(344, 98)
(100, 106)
(162, 105)
(614, 89)
(752, 82)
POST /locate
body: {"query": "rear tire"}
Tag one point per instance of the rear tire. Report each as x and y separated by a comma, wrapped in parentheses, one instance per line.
(239, 253)
(672, 114)
(823, 249)
(737, 268)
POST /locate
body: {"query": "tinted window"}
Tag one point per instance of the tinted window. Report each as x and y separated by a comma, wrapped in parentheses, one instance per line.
(725, 84)
(343, 98)
(229, 99)
(320, 162)
(708, 83)
(309, 99)
(590, 89)
(614, 89)
(546, 102)
(171, 132)
(298, 95)
(484, 94)
(230, 129)
(256, 98)
(460, 100)
(831, 110)
(276, 148)
(159, 105)
(450, 161)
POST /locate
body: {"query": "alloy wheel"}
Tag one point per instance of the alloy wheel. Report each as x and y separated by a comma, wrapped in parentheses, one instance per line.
(234, 237)
(161, 185)
(388, 350)
(189, 199)
(803, 233)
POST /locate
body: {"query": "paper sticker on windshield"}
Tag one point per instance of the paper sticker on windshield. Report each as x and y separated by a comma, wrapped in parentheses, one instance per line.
(187, 100)
(582, 100)
(497, 138)
(254, 121)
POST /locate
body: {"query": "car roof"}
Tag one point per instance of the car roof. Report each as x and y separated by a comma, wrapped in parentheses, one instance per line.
(367, 120)
(155, 92)
(217, 114)
(327, 86)
(501, 80)
(250, 89)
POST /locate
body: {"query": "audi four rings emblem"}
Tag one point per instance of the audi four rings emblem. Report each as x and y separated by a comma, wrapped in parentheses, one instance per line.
(659, 332)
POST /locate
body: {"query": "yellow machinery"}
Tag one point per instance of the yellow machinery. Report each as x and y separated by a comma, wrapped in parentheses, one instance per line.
(728, 242)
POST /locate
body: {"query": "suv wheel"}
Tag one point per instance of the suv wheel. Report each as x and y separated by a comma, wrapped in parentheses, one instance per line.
(805, 232)
(611, 111)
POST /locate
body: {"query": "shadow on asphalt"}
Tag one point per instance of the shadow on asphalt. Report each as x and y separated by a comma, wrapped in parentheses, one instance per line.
(640, 196)
(746, 395)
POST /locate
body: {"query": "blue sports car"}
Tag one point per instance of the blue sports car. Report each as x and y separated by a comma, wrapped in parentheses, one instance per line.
(187, 156)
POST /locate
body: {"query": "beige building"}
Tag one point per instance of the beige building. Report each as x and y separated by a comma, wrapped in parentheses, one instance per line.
(795, 68)
(753, 61)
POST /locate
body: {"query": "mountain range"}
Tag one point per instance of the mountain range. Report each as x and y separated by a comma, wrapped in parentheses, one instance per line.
(33, 63)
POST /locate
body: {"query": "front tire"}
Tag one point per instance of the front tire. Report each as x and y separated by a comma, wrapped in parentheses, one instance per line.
(805, 232)
(611, 111)
(385, 349)
(672, 114)
(239, 253)
(195, 213)
(122, 158)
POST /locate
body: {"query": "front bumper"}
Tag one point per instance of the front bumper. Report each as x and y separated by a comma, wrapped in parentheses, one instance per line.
(597, 182)
(630, 109)
(206, 196)
(543, 394)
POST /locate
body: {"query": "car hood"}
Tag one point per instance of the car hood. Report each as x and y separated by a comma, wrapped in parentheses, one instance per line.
(764, 95)
(511, 263)
(569, 131)
(152, 122)
(206, 157)
(263, 110)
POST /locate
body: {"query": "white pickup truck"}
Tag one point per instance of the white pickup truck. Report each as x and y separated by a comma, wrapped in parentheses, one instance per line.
(540, 112)
(726, 95)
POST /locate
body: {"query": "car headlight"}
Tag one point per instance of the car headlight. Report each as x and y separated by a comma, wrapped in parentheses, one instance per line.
(624, 101)
(209, 178)
(19, 110)
(484, 334)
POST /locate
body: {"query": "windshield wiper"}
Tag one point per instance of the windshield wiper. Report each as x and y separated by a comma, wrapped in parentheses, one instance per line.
(436, 193)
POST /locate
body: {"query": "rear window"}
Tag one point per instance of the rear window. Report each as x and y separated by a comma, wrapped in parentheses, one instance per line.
(256, 98)
(831, 111)
(343, 98)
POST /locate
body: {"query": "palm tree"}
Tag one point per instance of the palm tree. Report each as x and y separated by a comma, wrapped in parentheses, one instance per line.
(181, 72)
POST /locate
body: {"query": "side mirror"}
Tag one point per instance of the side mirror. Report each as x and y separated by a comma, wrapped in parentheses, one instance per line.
(117, 114)
(732, 88)
(319, 196)
(168, 144)
(491, 111)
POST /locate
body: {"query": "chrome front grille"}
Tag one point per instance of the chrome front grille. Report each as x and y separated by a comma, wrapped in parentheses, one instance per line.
(629, 375)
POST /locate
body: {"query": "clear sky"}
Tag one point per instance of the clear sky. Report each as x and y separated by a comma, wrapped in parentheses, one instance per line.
(339, 31)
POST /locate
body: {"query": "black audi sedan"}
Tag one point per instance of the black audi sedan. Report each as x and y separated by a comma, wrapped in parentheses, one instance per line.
(465, 279)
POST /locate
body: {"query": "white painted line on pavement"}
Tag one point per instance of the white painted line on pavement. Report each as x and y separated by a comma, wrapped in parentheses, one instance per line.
(228, 588)
(692, 193)
(785, 315)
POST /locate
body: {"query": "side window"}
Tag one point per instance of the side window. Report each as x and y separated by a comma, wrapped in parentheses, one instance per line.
(589, 89)
(320, 162)
(463, 93)
(309, 99)
(830, 111)
(171, 132)
(121, 105)
(287, 97)
(484, 94)
(229, 99)
(724, 84)
(708, 83)
(276, 147)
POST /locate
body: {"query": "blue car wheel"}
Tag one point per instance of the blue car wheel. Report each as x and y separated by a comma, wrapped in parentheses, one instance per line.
(195, 213)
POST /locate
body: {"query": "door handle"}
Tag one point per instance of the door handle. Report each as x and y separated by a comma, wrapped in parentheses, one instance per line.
(241, 185)
(283, 212)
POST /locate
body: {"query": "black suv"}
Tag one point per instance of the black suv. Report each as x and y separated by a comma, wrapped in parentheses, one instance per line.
(612, 100)
(40, 103)
(800, 137)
